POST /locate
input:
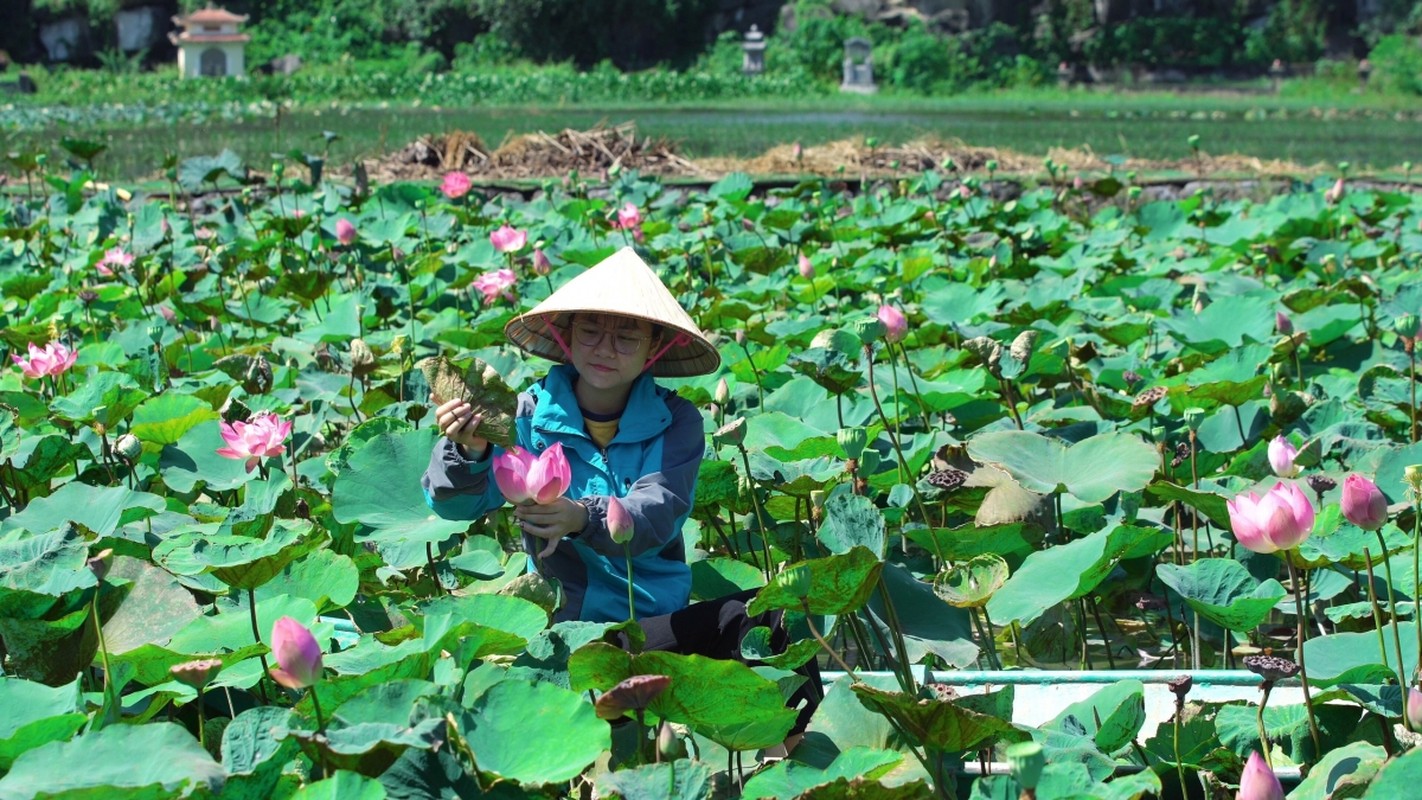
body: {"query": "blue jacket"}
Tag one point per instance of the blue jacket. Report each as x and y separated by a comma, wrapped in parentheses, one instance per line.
(651, 465)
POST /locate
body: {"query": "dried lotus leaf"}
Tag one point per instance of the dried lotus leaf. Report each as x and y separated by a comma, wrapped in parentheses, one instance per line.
(481, 387)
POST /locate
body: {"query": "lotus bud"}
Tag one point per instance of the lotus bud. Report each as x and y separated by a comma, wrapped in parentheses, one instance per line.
(1363, 504)
(1258, 781)
(619, 522)
(796, 580)
(1026, 762)
(1194, 417)
(1194, 141)
(1281, 457)
(1414, 709)
(669, 745)
(1283, 324)
(807, 269)
(196, 674)
(991, 165)
(541, 264)
(128, 447)
(732, 433)
(102, 563)
(852, 441)
(741, 338)
(1133, 193)
(723, 392)
(298, 654)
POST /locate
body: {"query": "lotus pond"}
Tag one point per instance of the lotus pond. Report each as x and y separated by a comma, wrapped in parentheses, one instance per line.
(1043, 473)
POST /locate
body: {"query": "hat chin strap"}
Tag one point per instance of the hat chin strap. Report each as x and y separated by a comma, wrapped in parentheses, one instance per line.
(562, 345)
(680, 339)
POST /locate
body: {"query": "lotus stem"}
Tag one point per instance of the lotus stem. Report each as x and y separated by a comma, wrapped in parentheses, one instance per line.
(434, 571)
(257, 635)
(1259, 719)
(759, 516)
(896, 628)
(1416, 579)
(1303, 668)
(834, 654)
(913, 381)
(1392, 613)
(760, 390)
(985, 631)
(103, 648)
(1377, 617)
(1412, 374)
(631, 601)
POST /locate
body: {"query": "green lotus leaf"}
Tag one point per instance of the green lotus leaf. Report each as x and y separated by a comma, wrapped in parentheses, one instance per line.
(1222, 591)
(173, 765)
(1091, 470)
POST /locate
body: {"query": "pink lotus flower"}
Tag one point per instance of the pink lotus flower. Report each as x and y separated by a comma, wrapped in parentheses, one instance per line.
(496, 284)
(895, 323)
(807, 270)
(1281, 457)
(1332, 196)
(1363, 503)
(619, 523)
(1414, 709)
(628, 217)
(541, 264)
(1258, 782)
(508, 239)
(524, 478)
(114, 258)
(797, 150)
(53, 360)
(1280, 520)
(298, 655)
(455, 185)
(255, 440)
(345, 231)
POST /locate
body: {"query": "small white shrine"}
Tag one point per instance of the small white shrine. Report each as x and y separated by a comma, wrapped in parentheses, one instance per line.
(210, 44)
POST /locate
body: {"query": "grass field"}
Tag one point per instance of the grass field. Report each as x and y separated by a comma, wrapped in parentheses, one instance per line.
(1375, 134)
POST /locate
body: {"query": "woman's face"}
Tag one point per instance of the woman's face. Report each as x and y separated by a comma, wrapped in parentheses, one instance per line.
(609, 351)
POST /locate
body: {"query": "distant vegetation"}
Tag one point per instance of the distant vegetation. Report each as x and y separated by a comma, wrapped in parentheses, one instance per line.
(1205, 39)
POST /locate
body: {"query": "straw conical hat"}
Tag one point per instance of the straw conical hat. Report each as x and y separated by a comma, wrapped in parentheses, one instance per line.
(620, 284)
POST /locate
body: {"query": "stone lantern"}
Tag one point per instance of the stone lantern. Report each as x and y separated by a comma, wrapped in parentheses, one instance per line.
(210, 44)
(753, 62)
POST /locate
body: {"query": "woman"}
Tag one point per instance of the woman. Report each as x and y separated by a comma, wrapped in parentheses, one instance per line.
(612, 328)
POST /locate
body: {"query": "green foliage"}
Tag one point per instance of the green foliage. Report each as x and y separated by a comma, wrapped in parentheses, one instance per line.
(632, 34)
(1397, 64)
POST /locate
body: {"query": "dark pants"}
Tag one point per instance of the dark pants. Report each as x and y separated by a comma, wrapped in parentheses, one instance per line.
(715, 628)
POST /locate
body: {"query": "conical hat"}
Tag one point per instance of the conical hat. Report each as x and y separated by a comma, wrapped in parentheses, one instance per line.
(620, 284)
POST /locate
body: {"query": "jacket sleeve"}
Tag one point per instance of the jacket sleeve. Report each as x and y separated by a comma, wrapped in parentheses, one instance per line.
(462, 488)
(457, 487)
(658, 502)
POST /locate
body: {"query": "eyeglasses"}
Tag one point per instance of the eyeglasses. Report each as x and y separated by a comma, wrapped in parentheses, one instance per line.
(623, 341)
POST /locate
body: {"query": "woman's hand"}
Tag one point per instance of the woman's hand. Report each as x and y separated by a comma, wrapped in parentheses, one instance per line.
(458, 422)
(552, 521)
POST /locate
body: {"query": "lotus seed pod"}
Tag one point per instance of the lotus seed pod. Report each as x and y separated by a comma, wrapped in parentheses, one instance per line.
(1406, 325)
(1413, 475)
(128, 447)
(1133, 193)
(1194, 417)
(1026, 761)
(817, 498)
(852, 441)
